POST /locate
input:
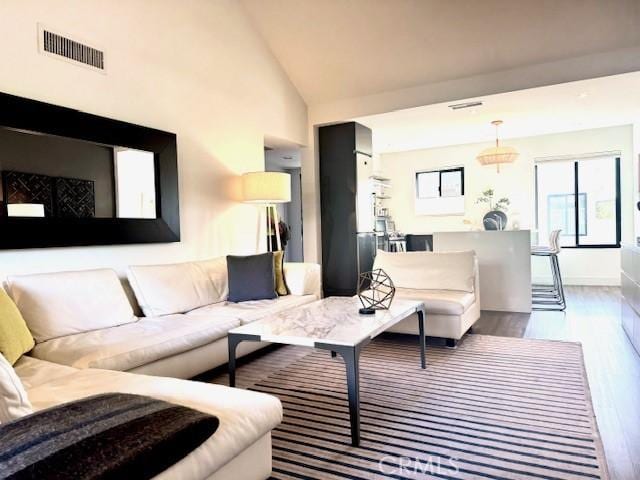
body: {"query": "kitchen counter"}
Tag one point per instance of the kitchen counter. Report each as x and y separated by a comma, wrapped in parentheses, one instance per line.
(504, 258)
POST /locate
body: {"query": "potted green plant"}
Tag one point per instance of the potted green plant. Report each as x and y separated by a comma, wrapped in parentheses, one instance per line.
(496, 218)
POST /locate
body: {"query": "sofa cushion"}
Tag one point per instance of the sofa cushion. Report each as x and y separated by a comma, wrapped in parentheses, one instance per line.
(15, 337)
(66, 303)
(254, 310)
(245, 416)
(429, 270)
(251, 277)
(443, 302)
(303, 278)
(33, 371)
(278, 269)
(179, 287)
(14, 402)
(216, 270)
(130, 346)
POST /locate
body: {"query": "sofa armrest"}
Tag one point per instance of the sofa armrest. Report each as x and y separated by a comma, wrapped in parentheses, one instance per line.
(476, 279)
(303, 278)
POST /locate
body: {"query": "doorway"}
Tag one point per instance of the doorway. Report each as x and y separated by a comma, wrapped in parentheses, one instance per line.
(288, 160)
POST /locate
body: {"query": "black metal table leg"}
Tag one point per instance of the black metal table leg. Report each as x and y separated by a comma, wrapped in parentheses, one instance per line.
(351, 356)
(351, 361)
(233, 340)
(423, 347)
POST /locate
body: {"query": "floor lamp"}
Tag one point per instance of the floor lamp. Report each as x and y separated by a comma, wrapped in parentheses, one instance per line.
(267, 189)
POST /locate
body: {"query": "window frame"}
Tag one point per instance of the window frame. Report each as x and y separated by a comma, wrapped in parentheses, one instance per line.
(439, 172)
(576, 194)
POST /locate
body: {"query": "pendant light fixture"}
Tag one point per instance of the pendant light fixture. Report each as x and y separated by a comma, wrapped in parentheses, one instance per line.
(498, 154)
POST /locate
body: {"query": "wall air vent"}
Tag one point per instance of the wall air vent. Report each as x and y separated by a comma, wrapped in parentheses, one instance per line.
(65, 48)
(460, 106)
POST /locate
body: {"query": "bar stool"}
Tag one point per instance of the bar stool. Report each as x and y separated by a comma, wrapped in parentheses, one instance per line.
(397, 244)
(549, 297)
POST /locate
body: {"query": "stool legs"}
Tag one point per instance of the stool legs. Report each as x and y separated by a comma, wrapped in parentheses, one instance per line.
(559, 281)
(550, 297)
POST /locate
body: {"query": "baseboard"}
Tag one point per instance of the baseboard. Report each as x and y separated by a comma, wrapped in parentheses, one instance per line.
(583, 281)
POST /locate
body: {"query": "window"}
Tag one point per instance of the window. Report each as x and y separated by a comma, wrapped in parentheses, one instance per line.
(440, 192)
(580, 197)
(135, 183)
(561, 211)
(440, 183)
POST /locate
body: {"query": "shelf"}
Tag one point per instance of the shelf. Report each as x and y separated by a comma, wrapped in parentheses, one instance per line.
(379, 178)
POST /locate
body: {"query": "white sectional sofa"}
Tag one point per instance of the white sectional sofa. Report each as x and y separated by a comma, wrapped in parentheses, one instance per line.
(88, 341)
(85, 320)
(447, 282)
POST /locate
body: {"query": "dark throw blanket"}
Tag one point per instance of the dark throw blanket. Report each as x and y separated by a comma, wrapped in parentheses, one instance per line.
(112, 436)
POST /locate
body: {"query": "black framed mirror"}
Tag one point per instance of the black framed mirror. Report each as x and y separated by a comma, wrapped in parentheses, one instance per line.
(69, 178)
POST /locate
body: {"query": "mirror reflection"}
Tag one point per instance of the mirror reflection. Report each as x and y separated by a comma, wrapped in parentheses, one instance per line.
(56, 177)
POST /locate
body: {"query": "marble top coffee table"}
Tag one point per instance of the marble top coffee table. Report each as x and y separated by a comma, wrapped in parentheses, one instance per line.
(332, 324)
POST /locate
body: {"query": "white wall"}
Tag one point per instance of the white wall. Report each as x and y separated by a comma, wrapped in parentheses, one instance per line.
(516, 181)
(196, 68)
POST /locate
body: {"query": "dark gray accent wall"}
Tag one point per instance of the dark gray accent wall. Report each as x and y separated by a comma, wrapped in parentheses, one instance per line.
(294, 214)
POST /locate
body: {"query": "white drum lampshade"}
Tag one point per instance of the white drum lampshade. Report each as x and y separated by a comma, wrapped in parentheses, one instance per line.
(25, 210)
(266, 187)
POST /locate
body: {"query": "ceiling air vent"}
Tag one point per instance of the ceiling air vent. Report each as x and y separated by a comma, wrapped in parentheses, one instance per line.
(460, 106)
(66, 48)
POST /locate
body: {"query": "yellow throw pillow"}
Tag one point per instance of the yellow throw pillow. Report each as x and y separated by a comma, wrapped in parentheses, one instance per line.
(278, 268)
(15, 337)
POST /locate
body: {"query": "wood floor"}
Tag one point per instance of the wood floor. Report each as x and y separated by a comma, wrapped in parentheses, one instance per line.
(613, 367)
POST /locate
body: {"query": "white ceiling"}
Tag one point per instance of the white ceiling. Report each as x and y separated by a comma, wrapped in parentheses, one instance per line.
(335, 49)
(595, 103)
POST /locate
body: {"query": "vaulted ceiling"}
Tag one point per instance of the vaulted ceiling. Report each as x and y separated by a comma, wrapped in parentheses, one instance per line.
(335, 49)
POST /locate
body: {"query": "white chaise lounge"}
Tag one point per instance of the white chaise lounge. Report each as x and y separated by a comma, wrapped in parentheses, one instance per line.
(240, 448)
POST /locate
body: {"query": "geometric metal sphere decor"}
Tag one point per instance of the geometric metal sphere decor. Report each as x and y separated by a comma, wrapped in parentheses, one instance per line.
(375, 291)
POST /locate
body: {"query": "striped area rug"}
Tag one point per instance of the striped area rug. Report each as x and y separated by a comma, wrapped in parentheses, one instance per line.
(497, 408)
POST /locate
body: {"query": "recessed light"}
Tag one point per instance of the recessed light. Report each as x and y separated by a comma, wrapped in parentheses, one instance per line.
(584, 95)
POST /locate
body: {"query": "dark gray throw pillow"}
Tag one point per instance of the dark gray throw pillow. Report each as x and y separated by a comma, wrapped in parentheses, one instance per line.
(251, 278)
